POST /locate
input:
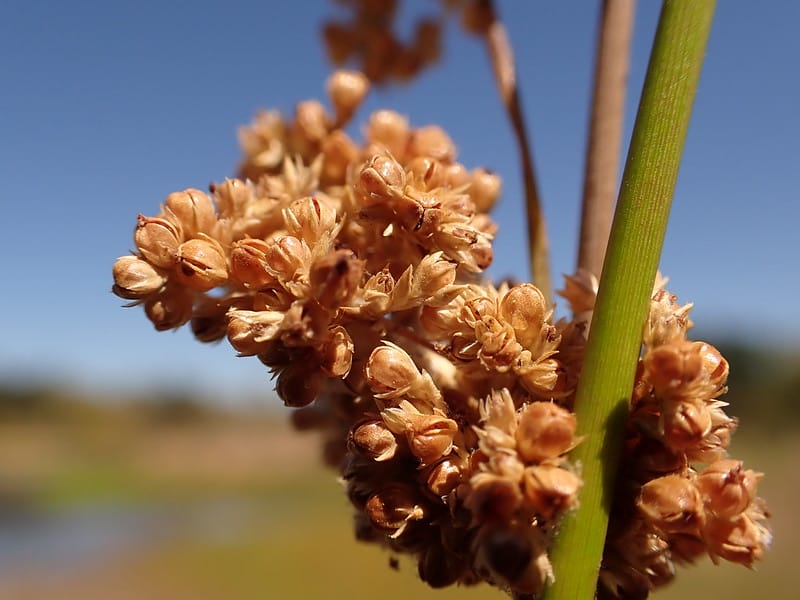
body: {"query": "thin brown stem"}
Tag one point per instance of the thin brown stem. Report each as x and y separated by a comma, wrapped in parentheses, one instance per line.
(605, 132)
(502, 59)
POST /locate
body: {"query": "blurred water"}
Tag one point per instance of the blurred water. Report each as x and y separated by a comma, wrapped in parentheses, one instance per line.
(58, 542)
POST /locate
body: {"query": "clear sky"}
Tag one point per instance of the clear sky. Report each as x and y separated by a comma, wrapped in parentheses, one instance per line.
(106, 107)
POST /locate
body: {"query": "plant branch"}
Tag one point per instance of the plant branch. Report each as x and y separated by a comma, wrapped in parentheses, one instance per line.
(605, 132)
(502, 59)
(637, 236)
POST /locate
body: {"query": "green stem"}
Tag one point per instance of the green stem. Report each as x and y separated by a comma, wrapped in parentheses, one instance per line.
(637, 236)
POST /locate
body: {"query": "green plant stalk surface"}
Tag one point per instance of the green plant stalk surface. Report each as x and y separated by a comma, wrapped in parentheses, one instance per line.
(629, 271)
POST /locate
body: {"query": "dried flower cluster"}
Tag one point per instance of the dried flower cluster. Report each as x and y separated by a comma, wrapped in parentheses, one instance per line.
(353, 272)
(368, 38)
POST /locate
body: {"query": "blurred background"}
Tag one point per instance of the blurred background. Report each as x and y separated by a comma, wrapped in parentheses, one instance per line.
(142, 465)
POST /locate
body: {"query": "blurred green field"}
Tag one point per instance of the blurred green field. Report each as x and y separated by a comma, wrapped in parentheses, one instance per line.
(278, 525)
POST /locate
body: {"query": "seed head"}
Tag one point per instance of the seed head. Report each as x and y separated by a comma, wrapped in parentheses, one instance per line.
(727, 488)
(381, 179)
(525, 309)
(389, 129)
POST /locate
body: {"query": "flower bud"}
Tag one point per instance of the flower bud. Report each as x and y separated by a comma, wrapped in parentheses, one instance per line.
(525, 309)
(192, 210)
(346, 89)
(551, 490)
(727, 488)
(169, 308)
(201, 264)
(373, 439)
(380, 179)
(158, 240)
(336, 277)
(484, 189)
(394, 506)
(672, 503)
(249, 263)
(135, 278)
(544, 431)
(389, 129)
(434, 142)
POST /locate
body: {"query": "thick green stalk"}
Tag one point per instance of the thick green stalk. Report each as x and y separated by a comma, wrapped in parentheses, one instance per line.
(637, 235)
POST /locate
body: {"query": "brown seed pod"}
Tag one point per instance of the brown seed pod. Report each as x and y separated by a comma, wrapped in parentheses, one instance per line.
(673, 504)
(727, 487)
(201, 264)
(192, 211)
(158, 240)
(545, 431)
(135, 278)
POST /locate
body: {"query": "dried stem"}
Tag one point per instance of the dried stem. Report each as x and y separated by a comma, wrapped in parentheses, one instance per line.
(605, 132)
(502, 58)
(637, 236)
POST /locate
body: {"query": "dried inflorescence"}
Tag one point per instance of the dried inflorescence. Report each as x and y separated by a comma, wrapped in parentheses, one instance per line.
(353, 272)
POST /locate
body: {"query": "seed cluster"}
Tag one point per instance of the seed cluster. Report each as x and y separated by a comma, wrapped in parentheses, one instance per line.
(353, 273)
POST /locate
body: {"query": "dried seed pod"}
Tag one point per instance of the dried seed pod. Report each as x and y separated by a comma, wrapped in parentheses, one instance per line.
(429, 437)
(390, 370)
(309, 219)
(201, 264)
(233, 196)
(192, 211)
(741, 539)
(389, 129)
(311, 121)
(484, 189)
(286, 256)
(135, 278)
(169, 308)
(393, 506)
(374, 439)
(347, 90)
(684, 423)
(425, 173)
(250, 332)
(545, 431)
(727, 488)
(381, 178)
(493, 498)
(714, 365)
(673, 504)
(339, 152)
(670, 367)
(336, 356)
(157, 240)
(444, 476)
(551, 490)
(438, 567)
(336, 277)
(299, 386)
(249, 263)
(432, 141)
(514, 557)
(525, 309)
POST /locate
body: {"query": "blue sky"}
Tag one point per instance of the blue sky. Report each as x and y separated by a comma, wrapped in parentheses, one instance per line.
(106, 107)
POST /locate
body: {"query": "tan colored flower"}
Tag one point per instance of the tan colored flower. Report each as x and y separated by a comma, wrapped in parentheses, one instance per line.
(158, 240)
(135, 278)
